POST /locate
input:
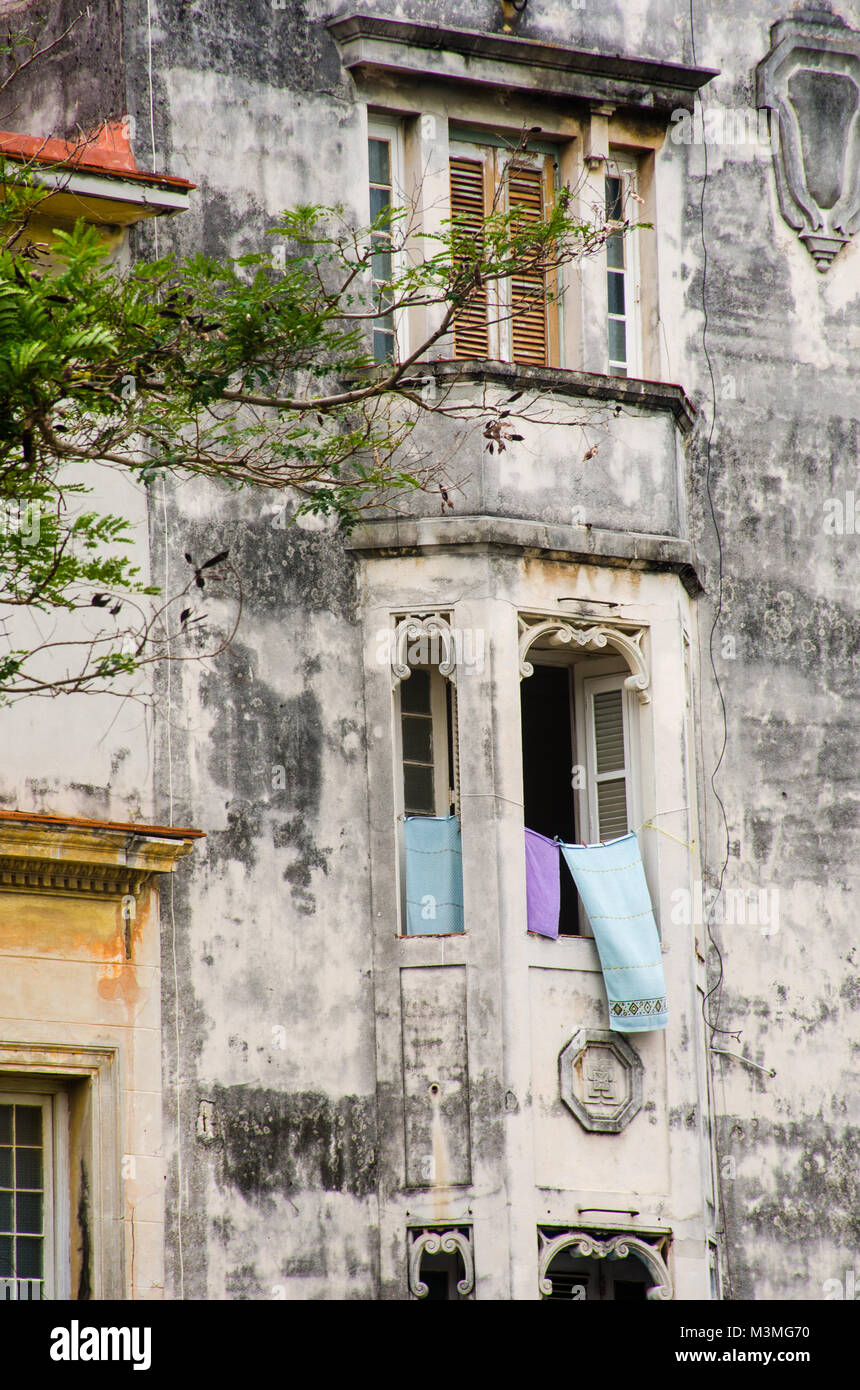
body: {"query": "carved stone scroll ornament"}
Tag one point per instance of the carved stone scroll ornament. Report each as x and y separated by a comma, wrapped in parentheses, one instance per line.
(438, 638)
(810, 81)
(614, 1248)
(593, 637)
(428, 1241)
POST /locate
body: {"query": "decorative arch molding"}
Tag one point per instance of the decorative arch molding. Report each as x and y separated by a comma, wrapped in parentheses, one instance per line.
(441, 640)
(593, 637)
(613, 1248)
(444, 1241)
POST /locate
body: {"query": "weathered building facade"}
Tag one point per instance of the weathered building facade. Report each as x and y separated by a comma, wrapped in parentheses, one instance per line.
(345, 1099)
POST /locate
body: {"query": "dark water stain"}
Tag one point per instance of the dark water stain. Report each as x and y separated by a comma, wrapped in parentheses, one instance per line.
(280, 1143)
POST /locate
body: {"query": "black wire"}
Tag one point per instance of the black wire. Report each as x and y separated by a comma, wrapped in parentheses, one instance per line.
(717, 987)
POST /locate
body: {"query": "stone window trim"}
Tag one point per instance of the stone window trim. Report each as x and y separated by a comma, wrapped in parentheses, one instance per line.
(54, 1070)
(446, 1238)
(592, 635)
(651, 1248)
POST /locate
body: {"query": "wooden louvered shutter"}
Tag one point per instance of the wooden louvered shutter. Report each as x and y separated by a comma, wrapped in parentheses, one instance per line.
(608, 757)
(471, 338)
(528, 291)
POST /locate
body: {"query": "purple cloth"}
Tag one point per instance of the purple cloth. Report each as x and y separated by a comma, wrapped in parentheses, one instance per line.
(543, 888)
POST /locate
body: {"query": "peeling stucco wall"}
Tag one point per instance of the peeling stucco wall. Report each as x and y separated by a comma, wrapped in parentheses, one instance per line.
(276, 1111)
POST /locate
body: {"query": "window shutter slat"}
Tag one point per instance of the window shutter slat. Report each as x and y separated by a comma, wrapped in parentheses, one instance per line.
(528, 290)
(610, 763)
(467, 213)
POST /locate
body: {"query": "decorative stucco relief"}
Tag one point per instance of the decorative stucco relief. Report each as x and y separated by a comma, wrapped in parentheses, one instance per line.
(810, 81)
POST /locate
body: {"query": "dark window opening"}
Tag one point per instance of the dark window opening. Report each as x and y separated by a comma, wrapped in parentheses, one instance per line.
(578, 1280)
(441, 1274)
(547, 711)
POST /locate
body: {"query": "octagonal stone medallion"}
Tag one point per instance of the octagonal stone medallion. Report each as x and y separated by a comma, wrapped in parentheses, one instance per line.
(601, 1080)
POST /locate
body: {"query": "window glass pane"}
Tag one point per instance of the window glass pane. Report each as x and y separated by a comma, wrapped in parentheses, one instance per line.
(415, 693)
(379, 159)
(383, 346)
(29, 1256)
(615, 289)
(614, 200)
(381, 265)
(615, 251)
(29, 1212)
(417, 738)
(6, 1257)
(418, 790)
(28, 1168)
(612, 809)
(5, 1124)
(6, 1211)
(28, 1124)
(380, 199)
(5, 1167)
(617, 341)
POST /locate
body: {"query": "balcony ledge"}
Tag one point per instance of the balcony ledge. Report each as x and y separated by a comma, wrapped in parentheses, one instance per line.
(558, 381)
(532, 539)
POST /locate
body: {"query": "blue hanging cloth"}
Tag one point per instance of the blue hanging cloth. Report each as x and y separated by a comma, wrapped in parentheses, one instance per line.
(611, 883)
(434, 875)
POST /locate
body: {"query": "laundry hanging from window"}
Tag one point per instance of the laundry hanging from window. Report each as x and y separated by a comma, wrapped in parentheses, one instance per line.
(434, 875)
(611, 882)
(543, 887)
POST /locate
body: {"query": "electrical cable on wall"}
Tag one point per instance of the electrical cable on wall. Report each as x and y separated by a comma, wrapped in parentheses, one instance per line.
(716, 988)
(166, 540)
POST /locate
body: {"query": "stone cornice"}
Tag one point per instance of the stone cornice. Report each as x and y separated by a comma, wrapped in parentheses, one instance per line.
(77, 858)
(534, 539)
(377, 44)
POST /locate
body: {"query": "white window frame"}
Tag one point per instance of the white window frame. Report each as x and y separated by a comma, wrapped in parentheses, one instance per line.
(445, 796)
(494, 153)
(57, 1179)
(391, 130)
(626, 168)
(586, 687)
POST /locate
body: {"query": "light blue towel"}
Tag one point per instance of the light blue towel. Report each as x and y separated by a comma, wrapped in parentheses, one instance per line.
(611, 882)
(434, 875)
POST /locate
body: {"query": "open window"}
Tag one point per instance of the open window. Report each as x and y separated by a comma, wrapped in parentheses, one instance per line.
(441, 1264)
(587, 1266)
(596, 1281)
(427, 779)
(579, 756)
(514, 320)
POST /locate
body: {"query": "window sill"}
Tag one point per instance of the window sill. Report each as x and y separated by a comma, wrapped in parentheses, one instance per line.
(563, 953)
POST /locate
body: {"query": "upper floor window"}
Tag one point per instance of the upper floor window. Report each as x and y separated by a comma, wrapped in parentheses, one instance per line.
(622, 270)
(384, 181)
(427, 793)
(427, 743)
(512, 320)
(578, 749)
